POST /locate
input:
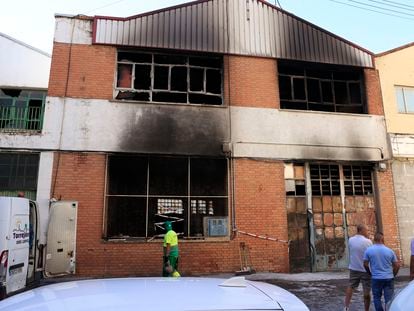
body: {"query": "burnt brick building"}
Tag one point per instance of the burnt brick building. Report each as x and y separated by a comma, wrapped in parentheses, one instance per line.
(244, 124)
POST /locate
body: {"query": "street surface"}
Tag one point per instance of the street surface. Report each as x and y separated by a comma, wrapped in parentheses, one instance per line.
(324, 291)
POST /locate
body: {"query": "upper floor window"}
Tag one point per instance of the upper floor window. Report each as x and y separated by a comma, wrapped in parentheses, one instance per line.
(405, 99)
(21, 109)
(320, 87)
(172, 78)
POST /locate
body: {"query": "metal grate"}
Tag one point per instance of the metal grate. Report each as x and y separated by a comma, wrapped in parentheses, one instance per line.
(21, 110)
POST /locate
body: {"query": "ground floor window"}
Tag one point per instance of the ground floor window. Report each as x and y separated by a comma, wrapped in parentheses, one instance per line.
(18, 173)
(144, 191)
(325, 202)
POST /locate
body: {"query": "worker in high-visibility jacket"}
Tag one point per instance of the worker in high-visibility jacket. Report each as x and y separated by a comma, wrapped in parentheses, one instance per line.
(170, 251)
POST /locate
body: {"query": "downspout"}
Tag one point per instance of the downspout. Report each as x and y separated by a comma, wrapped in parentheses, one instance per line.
(64, 105)
(230, 153)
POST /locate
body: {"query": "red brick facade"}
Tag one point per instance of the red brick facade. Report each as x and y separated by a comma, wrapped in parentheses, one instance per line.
(259, 198)
(388, 210)
(373, 92)
(259, 191)
(91, 74)
(253, 82)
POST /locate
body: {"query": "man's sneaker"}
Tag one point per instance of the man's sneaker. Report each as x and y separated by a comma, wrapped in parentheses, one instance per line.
(346, 309)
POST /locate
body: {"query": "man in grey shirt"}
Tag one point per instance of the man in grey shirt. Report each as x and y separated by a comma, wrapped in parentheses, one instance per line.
(357, 246)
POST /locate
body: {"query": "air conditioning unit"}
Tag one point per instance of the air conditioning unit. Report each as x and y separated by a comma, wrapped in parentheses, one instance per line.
(217, 226)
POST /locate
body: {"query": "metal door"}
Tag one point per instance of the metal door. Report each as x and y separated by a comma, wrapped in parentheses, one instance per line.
(61, 239)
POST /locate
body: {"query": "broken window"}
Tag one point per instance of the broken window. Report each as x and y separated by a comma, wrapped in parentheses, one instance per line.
(320, 87)
(169, 78)
(18, 172)
(295, 179)
(21, 109)
(325, 179)
(358, 180)
(143, 192)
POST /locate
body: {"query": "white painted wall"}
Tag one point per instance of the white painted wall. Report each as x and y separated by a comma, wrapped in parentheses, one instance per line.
(402, 145)
(44, 183)
(101, 125)
(71, 30)
(285, 134)
(22, 66)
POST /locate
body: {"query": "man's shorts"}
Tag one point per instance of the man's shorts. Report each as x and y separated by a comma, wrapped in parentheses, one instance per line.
(357, 276)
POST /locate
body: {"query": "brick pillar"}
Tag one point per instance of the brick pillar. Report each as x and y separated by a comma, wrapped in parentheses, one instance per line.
(388, 209)
(251, 82)
(373, 92)
(261, 210)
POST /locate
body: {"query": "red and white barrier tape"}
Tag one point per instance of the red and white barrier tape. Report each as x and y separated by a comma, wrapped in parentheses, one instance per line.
(263, 237)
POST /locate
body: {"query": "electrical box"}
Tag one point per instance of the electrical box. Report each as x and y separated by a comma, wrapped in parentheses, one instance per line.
(216, 226)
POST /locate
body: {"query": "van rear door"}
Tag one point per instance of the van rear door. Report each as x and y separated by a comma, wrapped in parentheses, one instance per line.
(61, 239)
(17, 244)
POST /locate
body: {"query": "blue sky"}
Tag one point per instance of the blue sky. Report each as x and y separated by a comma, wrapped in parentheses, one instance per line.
(32, 21)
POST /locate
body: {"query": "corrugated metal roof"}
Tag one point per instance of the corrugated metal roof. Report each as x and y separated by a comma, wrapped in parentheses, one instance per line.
(242, 27)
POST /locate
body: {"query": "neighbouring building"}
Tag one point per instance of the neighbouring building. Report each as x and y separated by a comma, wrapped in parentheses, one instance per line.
(396, 70)
(261, 135)
(24, 78)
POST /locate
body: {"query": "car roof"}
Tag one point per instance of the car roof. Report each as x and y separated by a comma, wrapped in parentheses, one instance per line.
(152, 294)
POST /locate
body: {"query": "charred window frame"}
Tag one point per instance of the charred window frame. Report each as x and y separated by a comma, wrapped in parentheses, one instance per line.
(358, 180)
(295, 179)
(325, 179)
(21, 109)
(321, 87)
(144, 191)
(169, 78)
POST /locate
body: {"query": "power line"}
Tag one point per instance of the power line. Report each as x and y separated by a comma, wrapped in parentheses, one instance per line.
(381, 8)
(398, 3)
(371, 10)
(391, 5)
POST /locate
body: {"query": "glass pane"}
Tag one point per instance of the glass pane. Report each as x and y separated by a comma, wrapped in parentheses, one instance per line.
(409, 99)
(213, 81)
(170, 59)
(127, 175)
(299, 89)
(168, 176)
(135, 57)
(314, 94)
(204, 99)
(173, 209)
(201, 208)
(196, 79)
(142, 77)
(400, 99)
(205, 62)
(124, 75)
(161, 74)
(179, 79)
(327, 95)
(341, 93)
(208, 177)
(126, 217)
(355, 93)
(285, 88)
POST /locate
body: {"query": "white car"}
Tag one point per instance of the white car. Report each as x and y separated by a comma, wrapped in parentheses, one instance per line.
(153, 294)
(404, 300)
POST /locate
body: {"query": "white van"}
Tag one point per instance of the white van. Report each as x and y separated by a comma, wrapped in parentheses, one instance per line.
(23, 260)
